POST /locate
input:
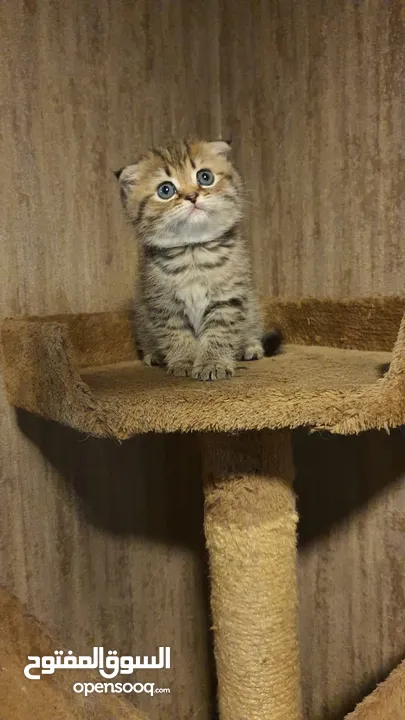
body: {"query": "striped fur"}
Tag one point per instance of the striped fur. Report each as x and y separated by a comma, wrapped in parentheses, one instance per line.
(195, 309)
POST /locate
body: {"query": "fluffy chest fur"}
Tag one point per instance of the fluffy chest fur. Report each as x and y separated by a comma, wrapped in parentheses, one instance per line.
(192, 276)
(195, 297)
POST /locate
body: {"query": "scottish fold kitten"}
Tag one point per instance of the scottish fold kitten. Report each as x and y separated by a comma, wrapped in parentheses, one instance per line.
(195, 309)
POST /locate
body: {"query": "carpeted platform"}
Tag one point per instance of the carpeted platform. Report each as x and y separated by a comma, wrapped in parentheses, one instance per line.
(387, 702)
(51, 697)
(83, 371)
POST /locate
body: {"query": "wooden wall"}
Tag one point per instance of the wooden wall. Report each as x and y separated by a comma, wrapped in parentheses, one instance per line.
(104, 542)
(314, 93)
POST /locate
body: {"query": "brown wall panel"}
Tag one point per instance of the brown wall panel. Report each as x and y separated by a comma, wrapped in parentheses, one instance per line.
(314, 93)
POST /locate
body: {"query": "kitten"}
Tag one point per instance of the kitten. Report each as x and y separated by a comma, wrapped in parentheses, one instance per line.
(195, 310)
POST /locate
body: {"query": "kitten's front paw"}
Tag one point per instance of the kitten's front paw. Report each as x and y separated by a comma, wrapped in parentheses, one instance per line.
(213, 371)
(180, 369)
(254, 351)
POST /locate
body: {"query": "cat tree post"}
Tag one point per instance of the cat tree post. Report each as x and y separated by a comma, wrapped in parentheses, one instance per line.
(250, 527)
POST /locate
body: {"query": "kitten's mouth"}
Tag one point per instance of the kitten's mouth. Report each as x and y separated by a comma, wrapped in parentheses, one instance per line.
(193, 214)
(196, 209)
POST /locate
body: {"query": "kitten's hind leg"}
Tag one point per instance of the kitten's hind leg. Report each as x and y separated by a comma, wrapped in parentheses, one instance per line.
(143, 336)
(252, 350)
(153, 359)
(256, 344)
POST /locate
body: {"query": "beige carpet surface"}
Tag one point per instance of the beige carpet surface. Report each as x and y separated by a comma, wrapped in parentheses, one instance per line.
(82, 371)
(51, 697)
(387, 702)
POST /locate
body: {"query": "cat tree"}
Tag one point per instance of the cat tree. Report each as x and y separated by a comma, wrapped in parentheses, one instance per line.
(83, 371)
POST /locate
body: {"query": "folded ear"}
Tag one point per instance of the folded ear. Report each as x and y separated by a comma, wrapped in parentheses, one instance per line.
(127, 177)
(220, 147)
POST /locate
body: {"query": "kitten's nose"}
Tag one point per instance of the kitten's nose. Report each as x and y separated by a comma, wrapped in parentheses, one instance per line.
(192, 197)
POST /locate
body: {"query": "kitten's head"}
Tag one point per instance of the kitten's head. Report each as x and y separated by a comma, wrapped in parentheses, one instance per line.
(185, 193)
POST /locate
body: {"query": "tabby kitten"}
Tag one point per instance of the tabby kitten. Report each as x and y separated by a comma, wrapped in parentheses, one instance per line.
(195, 310)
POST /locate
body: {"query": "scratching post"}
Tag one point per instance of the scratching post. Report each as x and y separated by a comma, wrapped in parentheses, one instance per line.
(250, 526)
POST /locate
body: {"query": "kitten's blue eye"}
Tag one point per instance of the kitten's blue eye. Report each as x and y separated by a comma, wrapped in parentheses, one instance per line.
(205, 177)
(166, 190)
